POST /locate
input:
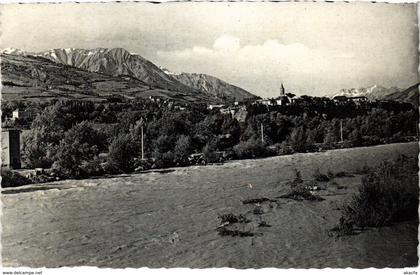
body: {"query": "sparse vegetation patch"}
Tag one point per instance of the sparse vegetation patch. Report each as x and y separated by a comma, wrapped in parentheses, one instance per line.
(257, 200)
(388, 194)
(263, 224)
(230, 225)
(224, 231)
(343, 174)
(232, 218)
(301, 191)
(300, 195)
(318, 176)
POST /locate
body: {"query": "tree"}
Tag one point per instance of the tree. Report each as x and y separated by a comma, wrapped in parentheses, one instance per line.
(40, 143)
(250, 149)
(330, 138)
(355, 138)
(298, 139)
(283, 125)
(182, 149)
(121, 154)
(162, 153)
(311, 139)
(76, 150)
(209, 152)
(231, 132)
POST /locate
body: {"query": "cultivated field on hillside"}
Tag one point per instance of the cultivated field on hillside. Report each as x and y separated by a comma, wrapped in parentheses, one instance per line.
(169, 218)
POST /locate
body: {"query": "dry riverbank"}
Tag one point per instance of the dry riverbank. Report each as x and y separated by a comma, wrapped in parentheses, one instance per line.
(170, 219)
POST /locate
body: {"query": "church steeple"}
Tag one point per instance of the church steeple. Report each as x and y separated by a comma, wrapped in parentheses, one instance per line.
(281, 90)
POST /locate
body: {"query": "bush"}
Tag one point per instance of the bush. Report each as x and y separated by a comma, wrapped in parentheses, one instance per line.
(258, 210)
(256, 201)
(142, 165)
(232, 218)
(365, 169)
(387, 195)
(209, 153)
(263, 224)
(226, 228)
(93, 167)
(299, 190)
(250, 149)
(164, 160)
(343, 174)
(224, 231)
(297, 180)
(284, 149)
(318, 176)
(301, 194)
(11, 179)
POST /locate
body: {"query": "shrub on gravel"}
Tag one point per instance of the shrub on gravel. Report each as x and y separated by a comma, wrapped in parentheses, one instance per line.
(224, 231)
(299, 190)
(318, 176)
(343, 174)
(226, 228)
(300, 195)
(388, 194)
(232, 218)
(257, 200)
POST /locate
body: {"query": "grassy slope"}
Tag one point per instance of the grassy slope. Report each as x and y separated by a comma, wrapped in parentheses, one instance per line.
(38, 79)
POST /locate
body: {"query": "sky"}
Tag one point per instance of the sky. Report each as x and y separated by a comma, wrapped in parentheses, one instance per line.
(312, 48)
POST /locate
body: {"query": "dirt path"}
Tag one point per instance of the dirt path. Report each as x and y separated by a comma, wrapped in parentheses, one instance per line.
(169, 220)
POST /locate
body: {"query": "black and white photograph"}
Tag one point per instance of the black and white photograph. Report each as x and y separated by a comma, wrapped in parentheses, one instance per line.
(241, 135)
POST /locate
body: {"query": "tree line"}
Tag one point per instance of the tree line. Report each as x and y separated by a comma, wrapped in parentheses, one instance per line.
(80, 139)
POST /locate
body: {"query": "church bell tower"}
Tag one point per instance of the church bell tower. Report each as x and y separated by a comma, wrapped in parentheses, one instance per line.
(282, 90)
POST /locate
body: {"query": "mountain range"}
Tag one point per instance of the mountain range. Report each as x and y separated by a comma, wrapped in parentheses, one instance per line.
(100, 73)
(212, 85)
(376, 92)
(119, 67)
(409, 95)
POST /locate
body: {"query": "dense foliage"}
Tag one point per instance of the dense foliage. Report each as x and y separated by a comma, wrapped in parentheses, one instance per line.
(388, 194)
(71, 136)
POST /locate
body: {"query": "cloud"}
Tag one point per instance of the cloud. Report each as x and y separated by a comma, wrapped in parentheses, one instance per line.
(261, 68)
(226, 42)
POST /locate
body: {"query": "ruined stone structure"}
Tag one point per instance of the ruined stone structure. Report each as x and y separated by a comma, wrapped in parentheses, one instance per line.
(10, 145)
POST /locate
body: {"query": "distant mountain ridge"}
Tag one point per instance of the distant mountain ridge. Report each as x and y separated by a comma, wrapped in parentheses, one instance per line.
(375, 92)
(409, 95)
(213, 85)
(372, 92)
(35, 78)
(120, 62)
(116, 62)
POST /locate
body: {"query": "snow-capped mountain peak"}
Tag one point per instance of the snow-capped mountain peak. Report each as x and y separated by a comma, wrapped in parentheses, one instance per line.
(166, 71)
(372, 92)
(12, 51)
